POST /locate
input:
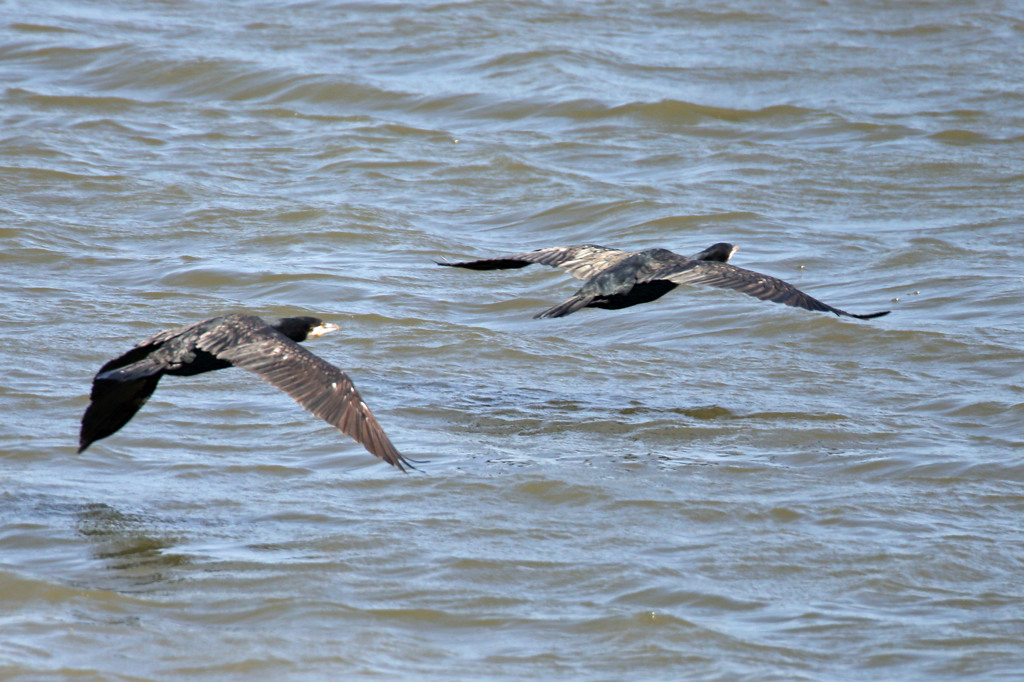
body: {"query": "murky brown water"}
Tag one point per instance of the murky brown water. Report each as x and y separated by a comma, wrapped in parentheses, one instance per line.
(705, 487)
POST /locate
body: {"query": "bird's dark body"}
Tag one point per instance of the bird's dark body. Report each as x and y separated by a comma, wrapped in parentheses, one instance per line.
(201, 363)
(179, 362)
(638, 293)
(619, 287)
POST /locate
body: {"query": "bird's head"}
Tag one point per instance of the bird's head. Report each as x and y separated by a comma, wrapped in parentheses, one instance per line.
(301, 328)
(720, 252)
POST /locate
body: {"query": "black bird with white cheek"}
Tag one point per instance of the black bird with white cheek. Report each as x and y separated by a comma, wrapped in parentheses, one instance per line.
(272, 352)
(619, 279)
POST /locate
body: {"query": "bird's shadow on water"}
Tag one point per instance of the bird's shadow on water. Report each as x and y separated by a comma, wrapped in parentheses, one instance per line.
(129, 545)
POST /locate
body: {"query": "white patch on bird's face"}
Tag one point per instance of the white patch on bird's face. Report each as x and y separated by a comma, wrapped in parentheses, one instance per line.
(322, 329)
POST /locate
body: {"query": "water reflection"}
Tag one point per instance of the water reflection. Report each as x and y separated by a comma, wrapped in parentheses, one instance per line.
(130, 544)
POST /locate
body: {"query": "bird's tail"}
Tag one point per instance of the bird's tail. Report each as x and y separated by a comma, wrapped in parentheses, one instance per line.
(566, 307)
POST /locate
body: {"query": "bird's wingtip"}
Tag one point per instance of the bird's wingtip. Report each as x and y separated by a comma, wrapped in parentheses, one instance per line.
(407, 464)
(871, 316)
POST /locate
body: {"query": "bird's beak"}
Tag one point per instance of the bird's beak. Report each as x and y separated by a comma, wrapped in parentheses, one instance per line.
(323, 329)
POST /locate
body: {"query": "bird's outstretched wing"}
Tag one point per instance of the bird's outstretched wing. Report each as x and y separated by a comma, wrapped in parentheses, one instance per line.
(582, 261)
(682, 270)
(114, 400)
(318, 386)
(112, 404)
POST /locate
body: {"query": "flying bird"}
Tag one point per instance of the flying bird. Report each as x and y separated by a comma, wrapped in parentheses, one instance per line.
(616, 279)
(272, 352)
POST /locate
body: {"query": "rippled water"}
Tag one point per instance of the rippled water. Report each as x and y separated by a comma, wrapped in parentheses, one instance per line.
(704, 487)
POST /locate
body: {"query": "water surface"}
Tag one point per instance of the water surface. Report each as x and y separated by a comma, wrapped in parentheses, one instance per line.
(705, 487)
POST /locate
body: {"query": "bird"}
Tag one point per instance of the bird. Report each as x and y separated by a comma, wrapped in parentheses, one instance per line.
(615, 279)
(271, 351)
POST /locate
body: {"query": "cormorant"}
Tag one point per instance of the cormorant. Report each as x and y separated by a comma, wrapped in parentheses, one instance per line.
(618, 279)
(272, 352)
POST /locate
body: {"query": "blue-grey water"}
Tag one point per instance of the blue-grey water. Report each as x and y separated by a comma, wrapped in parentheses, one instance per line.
(704, 487)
